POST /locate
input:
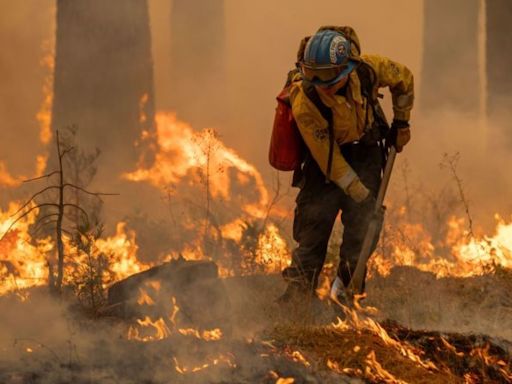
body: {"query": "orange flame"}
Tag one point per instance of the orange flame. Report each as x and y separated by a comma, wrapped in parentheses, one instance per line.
(44, 115)
(6, 179)
(149, 330)
(24, 260)
(122, 248)
(468, 255)
(183, 152)
(22, 264)
(354, 321)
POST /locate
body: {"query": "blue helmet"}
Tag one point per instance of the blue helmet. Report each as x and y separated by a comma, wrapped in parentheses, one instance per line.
(327, 58)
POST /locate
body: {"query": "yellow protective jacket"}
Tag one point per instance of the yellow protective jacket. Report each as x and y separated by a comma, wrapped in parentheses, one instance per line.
(349, 114)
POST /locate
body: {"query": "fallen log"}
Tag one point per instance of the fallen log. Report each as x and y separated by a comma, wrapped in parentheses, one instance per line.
(192, 286)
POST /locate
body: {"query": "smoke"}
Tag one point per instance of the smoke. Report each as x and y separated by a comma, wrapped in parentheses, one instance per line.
(261, 39)
(46, 340)
(25, 30)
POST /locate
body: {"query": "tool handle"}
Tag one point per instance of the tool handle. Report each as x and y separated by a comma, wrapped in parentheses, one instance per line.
(356, 283)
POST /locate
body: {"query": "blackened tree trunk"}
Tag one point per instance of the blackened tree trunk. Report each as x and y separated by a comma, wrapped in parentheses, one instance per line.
(197, 54)
(499, 59)
(104, 77)
(450, 80)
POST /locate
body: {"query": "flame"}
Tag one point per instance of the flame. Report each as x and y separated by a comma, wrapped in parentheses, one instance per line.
(184, 152)
(149, 330)
(212, 361)
(334, 366)
(23, 264)
(6, 179)
(44, 115)
(412, 245)
(144, 298)
(299, 358)
(199, 167)
(377, 373)
(24, 260)
(272, 251)
(122, 248)
(285, 380)
(41, 161)
(143, 117)
(355, 322)
(208, 335)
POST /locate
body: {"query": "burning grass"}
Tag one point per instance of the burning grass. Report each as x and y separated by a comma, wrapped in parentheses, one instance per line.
(171, 349)
(359, 352)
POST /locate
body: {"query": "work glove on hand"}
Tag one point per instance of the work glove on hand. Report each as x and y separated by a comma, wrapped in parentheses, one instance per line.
(399, 134)
(357, 191)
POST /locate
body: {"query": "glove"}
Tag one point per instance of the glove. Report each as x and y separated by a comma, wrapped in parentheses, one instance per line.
(357, 191)
(399, 134)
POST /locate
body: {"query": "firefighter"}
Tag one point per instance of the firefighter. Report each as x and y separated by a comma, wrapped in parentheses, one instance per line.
(344, 175)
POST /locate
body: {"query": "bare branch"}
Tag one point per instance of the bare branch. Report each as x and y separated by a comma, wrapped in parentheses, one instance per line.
(97, 194)
(32, 198)
(40, 221)
(66, 151)
(275, 199)
(53, 222)
(41, 224)
(25, 214)
(41, 177)
(79, 208)
(451, 162)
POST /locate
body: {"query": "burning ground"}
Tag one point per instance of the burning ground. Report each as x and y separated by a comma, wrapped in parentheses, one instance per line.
(191, 293)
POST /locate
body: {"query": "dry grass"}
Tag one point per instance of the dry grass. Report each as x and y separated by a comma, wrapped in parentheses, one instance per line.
(356, 353)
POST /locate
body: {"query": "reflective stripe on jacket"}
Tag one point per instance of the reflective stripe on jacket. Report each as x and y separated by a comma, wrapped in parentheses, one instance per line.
(349, 113)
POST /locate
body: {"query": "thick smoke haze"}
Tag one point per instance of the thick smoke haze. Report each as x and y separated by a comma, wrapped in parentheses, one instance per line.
(260, 45)
(25, 32)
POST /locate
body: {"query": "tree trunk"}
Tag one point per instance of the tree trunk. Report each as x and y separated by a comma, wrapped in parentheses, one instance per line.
(499, 59)
(58, 226)
(198, 57)
(450, 57)
(104, 77)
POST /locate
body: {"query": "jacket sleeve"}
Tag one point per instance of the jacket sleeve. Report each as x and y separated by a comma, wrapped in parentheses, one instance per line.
(314, 130)
(400, 81)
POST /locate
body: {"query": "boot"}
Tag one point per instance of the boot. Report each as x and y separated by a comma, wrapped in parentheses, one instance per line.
(340, 298)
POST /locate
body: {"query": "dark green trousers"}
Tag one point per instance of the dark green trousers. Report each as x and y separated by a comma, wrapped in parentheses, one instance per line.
(318, 205)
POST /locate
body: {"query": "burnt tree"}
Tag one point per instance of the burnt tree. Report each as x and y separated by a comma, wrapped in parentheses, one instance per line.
(197, 60)
(499, 59)
(104, 77)
(450, 56)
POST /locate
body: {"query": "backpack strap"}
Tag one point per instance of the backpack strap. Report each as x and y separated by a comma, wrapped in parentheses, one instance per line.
(326, 113)
(368, 79)
(380, 128)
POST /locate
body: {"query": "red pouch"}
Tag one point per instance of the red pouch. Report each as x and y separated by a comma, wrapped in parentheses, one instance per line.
(286, 146)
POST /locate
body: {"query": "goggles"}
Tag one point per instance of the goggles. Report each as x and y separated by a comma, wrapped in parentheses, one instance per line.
(324, 75)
